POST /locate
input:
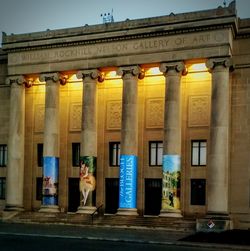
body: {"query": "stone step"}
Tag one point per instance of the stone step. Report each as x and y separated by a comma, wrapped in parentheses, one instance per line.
(170, 223)
(52, 218)
(180, 224)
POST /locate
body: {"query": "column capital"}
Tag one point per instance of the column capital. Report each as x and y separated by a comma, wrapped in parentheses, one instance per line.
(54, 77)
(19, 80)
(175, 67)
(93, 74)
(133, 70)
(212, 63)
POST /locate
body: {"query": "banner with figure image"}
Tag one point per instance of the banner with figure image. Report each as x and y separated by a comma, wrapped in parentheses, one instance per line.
(128, 181)
(50, 181)
(87, 179)
(171, 182)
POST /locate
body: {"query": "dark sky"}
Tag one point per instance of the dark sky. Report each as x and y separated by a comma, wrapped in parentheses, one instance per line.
(24, 16)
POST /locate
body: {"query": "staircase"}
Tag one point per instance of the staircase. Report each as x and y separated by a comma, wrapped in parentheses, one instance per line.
(172, 224)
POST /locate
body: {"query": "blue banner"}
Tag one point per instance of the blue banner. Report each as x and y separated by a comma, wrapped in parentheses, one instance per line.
(171, 182)
(128, 181)
(50, 180)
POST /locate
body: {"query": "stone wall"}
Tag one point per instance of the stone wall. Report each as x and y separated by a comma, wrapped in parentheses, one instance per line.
(4, 109)
(240, 135)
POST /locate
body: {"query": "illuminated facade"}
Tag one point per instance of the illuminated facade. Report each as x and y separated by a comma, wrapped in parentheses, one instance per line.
(169, 94)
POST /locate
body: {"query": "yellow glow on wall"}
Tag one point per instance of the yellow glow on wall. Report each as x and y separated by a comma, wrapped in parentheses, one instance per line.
(153, 71)
(198, 72)
(73, 78)
(197, 68)
(73, 83)
(111, 74)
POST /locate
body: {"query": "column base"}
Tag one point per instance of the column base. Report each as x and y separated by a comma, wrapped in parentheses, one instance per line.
(214, 223)
(127, 211)
(17, 208)
(49, 209)
(85, 210)
(171, 213)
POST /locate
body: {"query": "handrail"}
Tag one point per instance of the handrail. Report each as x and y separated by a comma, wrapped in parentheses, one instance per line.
(96, 211)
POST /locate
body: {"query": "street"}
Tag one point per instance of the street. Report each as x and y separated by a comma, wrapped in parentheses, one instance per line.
(34, 237)
(31, 243)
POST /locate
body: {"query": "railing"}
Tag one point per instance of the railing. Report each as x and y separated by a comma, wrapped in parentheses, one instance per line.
(96, 211)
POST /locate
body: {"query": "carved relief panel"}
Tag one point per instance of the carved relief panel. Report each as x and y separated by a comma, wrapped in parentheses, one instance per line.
(155, 113)
(114, 115)
(199, 111)
(75, 117)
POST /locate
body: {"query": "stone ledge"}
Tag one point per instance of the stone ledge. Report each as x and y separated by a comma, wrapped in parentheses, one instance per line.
(213, 225)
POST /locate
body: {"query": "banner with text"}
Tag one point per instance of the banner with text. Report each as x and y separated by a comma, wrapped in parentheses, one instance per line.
(50, 180)
(128, 181)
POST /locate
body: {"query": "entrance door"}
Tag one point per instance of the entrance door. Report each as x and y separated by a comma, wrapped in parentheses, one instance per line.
(153, 194)
(73, 194)
(111, 195)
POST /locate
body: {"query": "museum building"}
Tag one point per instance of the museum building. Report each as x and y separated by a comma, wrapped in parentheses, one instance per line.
(144, 117)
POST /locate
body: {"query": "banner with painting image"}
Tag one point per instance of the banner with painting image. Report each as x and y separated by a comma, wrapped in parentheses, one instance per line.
(171, 182)
(50, 181)
(88, 179)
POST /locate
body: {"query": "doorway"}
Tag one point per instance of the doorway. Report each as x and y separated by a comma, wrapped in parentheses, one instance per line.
(153, 194)
(73, 195)
(111, 195)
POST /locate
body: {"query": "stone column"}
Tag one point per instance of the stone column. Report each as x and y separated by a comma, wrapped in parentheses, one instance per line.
(217, 218)
(88, 152)
(129, 141)
(172, 140)
(51, 143)
(15, 169)
(217, 170)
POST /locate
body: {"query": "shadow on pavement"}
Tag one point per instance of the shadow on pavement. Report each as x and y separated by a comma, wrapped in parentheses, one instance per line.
(236, 237)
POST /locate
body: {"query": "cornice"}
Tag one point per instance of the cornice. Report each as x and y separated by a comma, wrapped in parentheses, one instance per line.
(243, 36)
(244, 28)
(127, 25)
(3, 56)
(121, 38)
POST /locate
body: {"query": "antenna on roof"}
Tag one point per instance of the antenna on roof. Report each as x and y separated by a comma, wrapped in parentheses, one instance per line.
(107, 17)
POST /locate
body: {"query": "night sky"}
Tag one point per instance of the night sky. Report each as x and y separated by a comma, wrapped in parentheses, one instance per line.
(24, 16)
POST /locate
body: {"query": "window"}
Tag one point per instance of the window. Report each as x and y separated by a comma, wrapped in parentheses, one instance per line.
(76, 154)
(2, 188)
(40, 155)
(39, 188)
(198, 192)
(199, 152)
(155, 153)
(3, 155)
(114, 153)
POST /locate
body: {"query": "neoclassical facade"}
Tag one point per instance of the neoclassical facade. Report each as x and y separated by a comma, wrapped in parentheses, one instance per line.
(144, 117)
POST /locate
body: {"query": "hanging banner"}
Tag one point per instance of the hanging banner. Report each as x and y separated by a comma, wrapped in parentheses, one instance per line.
(128, 181)
(50, 180)
(87, 177)
(171, 182)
